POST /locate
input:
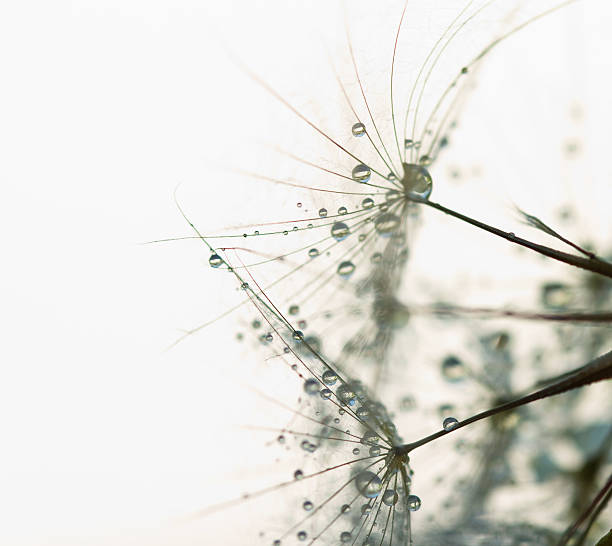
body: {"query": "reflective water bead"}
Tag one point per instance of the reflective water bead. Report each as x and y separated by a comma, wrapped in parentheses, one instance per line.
(302, 323)
(417, 181)
(390, 497)
(342, 210)
(408, 143)
(362, 237)
(307, 506)
(298, 474)
(367, 203)
(356, 451)
(425, 160)
(370, 437)
(345, 508)
(358, 129)
(366, 509)
(299, 205)
(386, 223)
(215, 260)
(311, 386)
(294, 309)
(345, 537)
(326, 393)
(375, 451)
(368, 484)
(345, 269)
(345, 394)
(281, 439)
(276, 543)
(391, 177)
(313, 252)
(307, 446)
(363, 412)
(449, 423)
(302, 535)
(340, 231)
(244, 286)
(322, 213)
(414, 503)
(269, 337)
(298, 335)
(361, 173)
(329, 377)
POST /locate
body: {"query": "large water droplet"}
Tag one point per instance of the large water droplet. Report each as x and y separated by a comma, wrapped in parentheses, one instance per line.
(370, 437)
(340, 231)
(345, 269)
(326, 393)
(417, 181)
(361, 173)
(390, 497)
(345, 537)
(368, 484)
(345, 394)
(215, 260)
(329, 377)
(386, 223)
(414, 503)
(358, 129)
(450, 423)
(367, 203)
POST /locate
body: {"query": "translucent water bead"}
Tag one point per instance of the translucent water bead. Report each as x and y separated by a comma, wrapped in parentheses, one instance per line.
(340, 231)
(215, 260)
(414, 503)
(449, 423)
(416, 181)
(368, 484)
(358, 129)
(345, 269)
(361, 173)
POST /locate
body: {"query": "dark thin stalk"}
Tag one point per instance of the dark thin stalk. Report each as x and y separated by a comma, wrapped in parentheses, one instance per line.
(599, 369)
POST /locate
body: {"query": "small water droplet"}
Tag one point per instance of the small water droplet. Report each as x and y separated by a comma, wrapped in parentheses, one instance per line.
(414, 503)
(325, 394)
(342, 211)
(453, 369)
(244, 286)
(281, 439)
(368, 484)
(302, 536)
(294, 309)
(358, 129)
(215, 260)
(345, 394)
(298, 335)
(299, 205)
(311, 386)
(307, 446)
(363, 412)
(340, 231)
(356, 451)
(269, 337)
(425, 160)
(345, 269)
(307, 506)
(366, 509)
(367, 203)
(322, 213)
(370, 437)
(298, 474)
(375, 451)
(345, 508)
(408, 143)
(449, 423)
(391, 177)
(313, 252)
(345, 537)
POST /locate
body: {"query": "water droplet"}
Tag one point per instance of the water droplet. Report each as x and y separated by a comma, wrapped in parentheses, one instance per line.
(307, 446)
(276, 543)
(345, 394)
(255, 324)
(390, 197)
(358, 129)
(453, 369)
(408, 143)
(298, 335)
(302, 536)
(368, 484)
(325, 394)
(244, 286)
(269, 337)
(345, 537)
(215, 260)
(345, 508)
(366, 509)
(329, 377)
(376, 258)
(298, 474)
(370, 437)
(390, 497)
(281, 439)
(356, 451)
(450, 423)
(313, 252)
(322, 213)
(363, 412)
(342, 211)
(311, 386)
(294, 309)
(299, 205)
(417, 181)
(302, 323)
(386, 223)
(391, 177)
(425, 160)
(367, 203)
(345, 269)
(307, 506)
(361, 173)
(340, 231)
(375, 451)
(414, 503)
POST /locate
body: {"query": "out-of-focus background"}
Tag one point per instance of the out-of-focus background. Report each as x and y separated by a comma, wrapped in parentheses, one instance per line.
(105, 108)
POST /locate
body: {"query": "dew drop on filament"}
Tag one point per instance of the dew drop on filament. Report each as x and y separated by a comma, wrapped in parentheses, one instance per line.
(361, 173)
(358, 129)
(215, 260)
(340, 231)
